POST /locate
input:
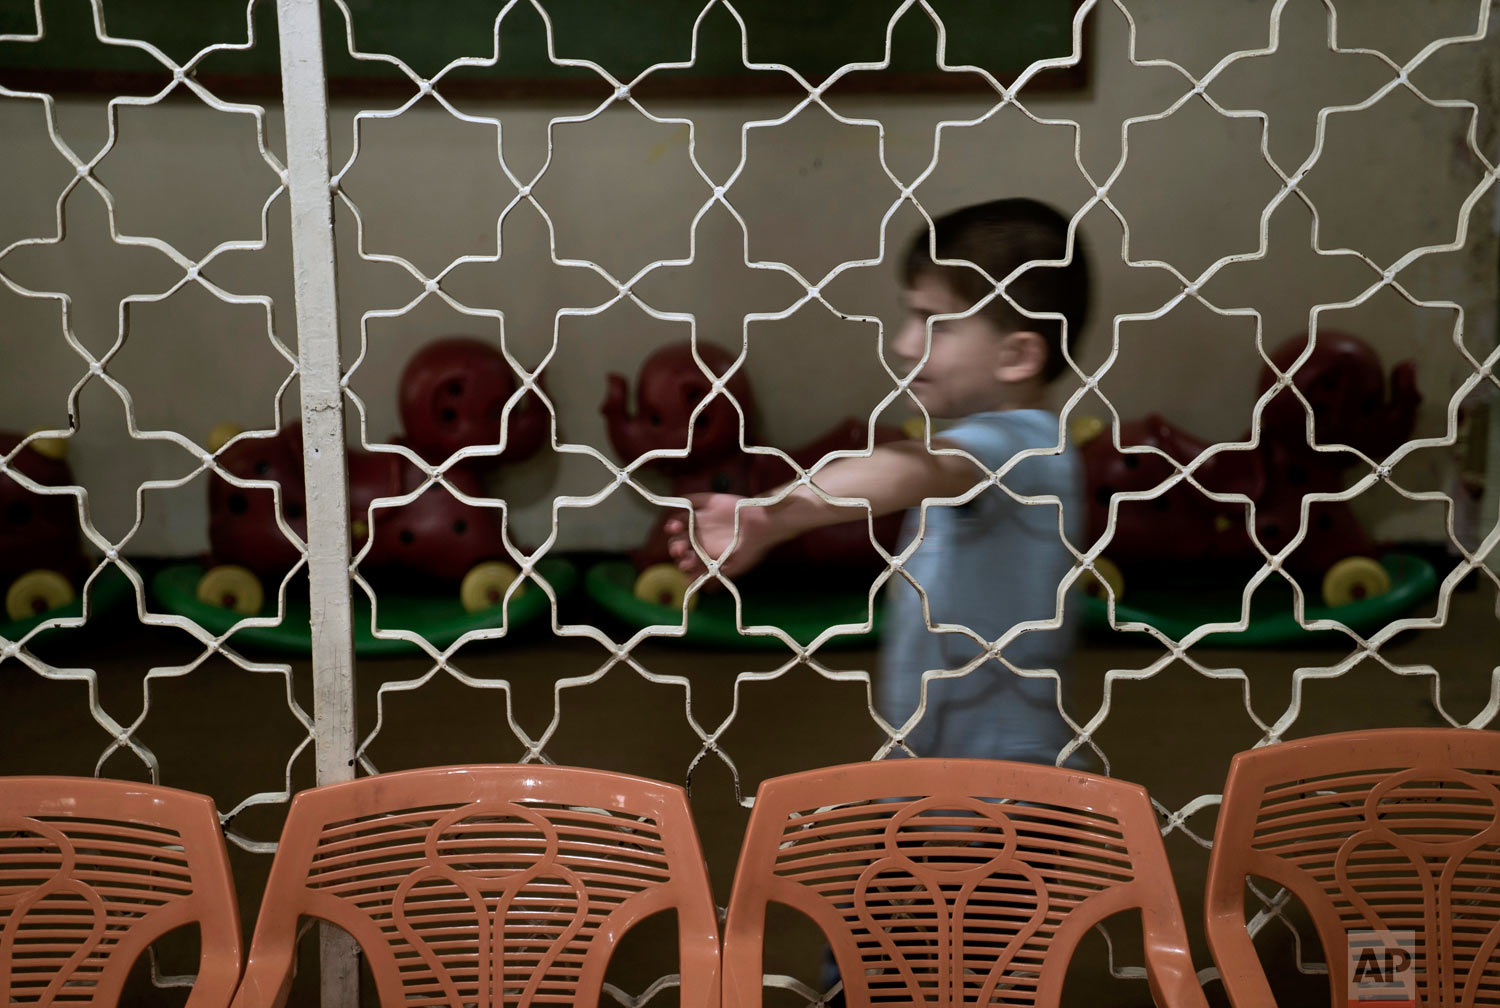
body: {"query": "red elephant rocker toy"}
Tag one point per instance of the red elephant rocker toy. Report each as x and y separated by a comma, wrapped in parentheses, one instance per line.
(669, 388)
(452, 394)
(41, 556)
(1199, 540)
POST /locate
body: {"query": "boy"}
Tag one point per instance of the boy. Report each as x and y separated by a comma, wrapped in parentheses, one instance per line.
(991, 562)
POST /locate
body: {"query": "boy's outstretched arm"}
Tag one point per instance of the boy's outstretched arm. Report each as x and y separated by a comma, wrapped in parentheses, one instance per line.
(896, 475)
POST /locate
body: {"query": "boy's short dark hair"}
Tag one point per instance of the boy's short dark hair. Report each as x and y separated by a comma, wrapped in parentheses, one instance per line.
(1001, 236)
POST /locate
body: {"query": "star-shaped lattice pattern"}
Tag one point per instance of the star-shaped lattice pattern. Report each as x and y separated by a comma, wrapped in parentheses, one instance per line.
(196, 460)
(523, 191)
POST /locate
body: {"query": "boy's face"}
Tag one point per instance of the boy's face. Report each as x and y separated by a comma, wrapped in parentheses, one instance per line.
(963, 374)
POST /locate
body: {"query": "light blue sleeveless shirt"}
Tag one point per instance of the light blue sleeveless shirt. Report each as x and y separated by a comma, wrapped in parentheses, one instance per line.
(988, 565)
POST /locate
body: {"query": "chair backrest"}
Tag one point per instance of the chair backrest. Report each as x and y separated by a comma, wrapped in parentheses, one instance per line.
(92, 872)
(1382, 830)
(487, 885)
(954, 882)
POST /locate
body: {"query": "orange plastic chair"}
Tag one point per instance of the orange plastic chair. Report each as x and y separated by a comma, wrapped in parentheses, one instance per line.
(1382, 830)
(487, 886)
(92, 872)
(954, 882)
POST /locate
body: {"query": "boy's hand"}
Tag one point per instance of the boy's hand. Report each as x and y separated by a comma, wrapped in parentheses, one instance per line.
(713, 519)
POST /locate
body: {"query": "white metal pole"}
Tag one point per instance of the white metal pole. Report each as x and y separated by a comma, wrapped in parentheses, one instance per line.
(305, 106)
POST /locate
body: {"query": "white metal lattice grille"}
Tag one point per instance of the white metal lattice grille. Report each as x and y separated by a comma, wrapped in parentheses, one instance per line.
(195, 272)
(720, 192)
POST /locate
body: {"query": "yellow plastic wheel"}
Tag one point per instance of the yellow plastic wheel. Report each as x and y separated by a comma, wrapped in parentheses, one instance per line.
(35, 592)
(50, 447)
(665, 585)
(1084, 428)
(230, 587)
(1105, 572)
(486, 584)
(1353, 579)
(221, 435)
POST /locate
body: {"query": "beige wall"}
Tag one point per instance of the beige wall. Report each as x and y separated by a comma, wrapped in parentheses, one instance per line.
(620, 191)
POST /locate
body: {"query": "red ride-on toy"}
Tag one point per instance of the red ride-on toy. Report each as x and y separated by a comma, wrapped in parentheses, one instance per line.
(452, 395)
(669, 387)
(41, 556)
(1195, 538)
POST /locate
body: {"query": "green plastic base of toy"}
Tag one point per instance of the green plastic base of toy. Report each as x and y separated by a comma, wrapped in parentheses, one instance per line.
(441, 619)
(1272, 620)
(801, 611)
(109, 589)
